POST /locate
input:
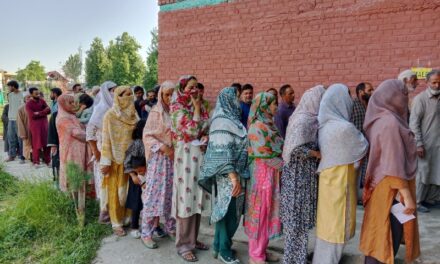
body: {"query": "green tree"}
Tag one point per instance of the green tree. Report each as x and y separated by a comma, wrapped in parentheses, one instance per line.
(98, 65)
(73, 66)
(152, 56)
(34, 71)
(127, 66)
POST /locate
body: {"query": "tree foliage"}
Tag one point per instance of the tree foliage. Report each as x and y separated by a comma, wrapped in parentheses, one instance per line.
(73, 67)
(34, 71)
(153, 54)
(127, 66)
(97, 64)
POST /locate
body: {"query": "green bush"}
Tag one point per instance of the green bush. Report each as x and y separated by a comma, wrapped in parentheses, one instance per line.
(38, 225)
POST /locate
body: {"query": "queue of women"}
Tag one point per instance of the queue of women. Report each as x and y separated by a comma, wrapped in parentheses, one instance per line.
(184, 160)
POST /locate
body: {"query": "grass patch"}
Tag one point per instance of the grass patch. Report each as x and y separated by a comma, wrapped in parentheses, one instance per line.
(8, 184)
(38, 225)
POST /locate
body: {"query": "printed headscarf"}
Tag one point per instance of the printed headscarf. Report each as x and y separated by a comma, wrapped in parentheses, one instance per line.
(340, 142)
(123, 106)
(105, 103)
(392, 144)
(265, 141)
(158, 126)
(182, 112)
(227, 146)
(303, 123)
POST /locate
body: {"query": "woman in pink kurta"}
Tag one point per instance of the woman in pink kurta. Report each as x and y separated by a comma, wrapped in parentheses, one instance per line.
(72, 136)
(262, 220)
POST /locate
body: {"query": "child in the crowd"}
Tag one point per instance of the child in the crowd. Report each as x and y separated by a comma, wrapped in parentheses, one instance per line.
(85, 108)
(133, 163)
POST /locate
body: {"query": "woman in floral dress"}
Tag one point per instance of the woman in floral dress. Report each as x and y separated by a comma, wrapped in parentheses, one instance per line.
(189, 126)
(158, 190)
(262, 220)
(299, 181)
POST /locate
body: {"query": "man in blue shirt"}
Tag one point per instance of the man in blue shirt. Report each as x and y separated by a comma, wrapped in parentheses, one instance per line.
(285, 108)
(246, 96)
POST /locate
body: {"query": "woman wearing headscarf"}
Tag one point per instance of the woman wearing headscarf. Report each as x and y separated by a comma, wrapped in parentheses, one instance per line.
(118, 125)
(224, 165)
(262, 221)
(299, 180)
(391, 170)
(94, 139)
(72, 137)
(341, 145)
(159, 153)
(189, 126)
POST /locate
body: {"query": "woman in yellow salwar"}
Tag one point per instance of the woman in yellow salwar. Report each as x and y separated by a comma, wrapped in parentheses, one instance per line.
(392, 169)
(118, 125)
(341, 145)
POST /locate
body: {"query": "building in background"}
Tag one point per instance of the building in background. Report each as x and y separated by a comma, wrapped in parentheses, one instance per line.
(301, 42)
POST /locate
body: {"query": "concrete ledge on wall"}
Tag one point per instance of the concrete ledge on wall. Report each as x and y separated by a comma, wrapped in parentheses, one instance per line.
(187, 4)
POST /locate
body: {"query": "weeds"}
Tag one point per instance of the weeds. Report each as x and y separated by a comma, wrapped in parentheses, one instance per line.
(39, 225)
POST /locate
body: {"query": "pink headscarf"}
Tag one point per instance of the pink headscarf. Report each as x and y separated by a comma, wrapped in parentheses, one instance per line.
(392, 144)
(158, 126)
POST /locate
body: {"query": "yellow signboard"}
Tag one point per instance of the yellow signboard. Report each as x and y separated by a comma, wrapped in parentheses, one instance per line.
(421, 72)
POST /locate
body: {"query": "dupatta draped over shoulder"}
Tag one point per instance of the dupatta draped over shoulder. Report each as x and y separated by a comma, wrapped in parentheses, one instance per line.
(227, 147)
(340, 142)
(265, 141)
(105, 102)
(184, 126)
(303, 123)
(392, 144)
(158, 127)
(119, 123)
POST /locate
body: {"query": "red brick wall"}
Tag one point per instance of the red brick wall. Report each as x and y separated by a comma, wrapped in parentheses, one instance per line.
(301, 42)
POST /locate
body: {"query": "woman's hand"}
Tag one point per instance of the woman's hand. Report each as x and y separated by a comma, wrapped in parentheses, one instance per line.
(408, 200)
(97, 155)
(169, 152)
(135, 179)
(236, 186)
(315, 154)
(105, 170)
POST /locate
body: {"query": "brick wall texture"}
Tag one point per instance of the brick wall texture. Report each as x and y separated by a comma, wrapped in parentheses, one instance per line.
(301, 42)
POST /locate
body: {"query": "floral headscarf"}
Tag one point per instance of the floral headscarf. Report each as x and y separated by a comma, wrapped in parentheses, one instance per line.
(184, 127)
(264, 138)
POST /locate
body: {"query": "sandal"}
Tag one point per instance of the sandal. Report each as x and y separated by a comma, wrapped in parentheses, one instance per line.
(189, 256)
(149, 243)
(119, 231)
(201, 246)
(270, 257)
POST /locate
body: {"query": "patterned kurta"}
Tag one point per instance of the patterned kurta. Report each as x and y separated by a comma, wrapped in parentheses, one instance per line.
(299, 196)
(158, 190)
(188, 196)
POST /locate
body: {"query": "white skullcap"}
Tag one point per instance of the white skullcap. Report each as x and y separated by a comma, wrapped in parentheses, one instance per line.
(406, 74)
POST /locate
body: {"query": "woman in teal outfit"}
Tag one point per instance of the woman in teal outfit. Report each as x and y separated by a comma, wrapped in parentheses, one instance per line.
(224, 165)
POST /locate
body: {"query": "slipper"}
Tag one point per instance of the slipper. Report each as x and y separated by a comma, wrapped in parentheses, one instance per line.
(189, 256)
(201, 246)
(149, 243)
(119, 231)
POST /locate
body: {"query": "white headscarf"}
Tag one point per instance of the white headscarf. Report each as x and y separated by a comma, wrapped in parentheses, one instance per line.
(339, 141)
(105, 103)
(303, 123)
